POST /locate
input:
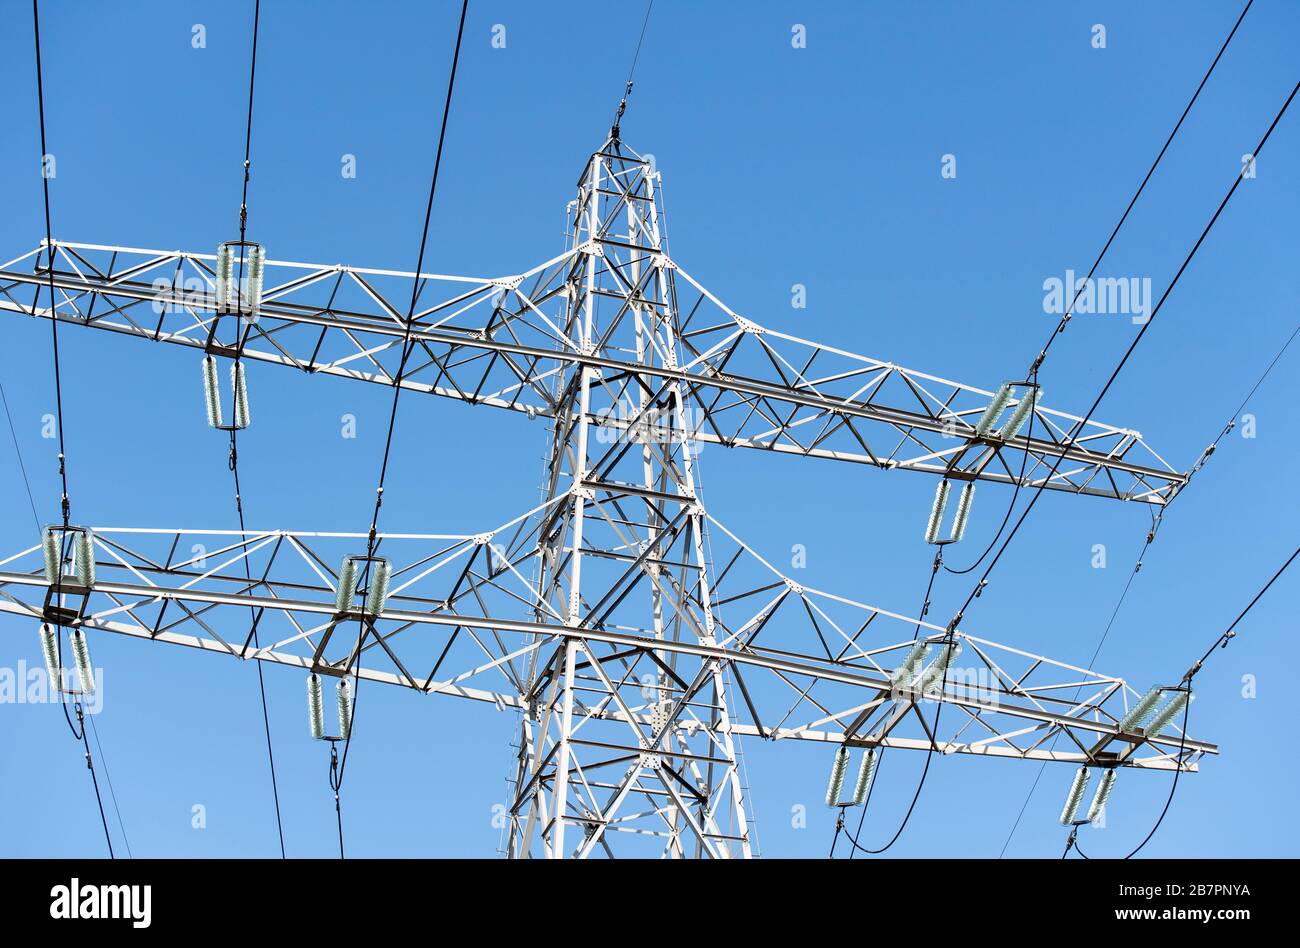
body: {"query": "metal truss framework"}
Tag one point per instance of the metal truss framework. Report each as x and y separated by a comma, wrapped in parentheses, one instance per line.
(505, 342)
(638, 638)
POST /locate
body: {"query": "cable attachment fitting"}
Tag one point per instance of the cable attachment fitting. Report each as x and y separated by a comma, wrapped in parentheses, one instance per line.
(1069, 843)
(618, 117)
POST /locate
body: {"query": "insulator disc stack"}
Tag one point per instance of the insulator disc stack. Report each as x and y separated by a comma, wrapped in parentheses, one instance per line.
(839, 767)
(315, 707)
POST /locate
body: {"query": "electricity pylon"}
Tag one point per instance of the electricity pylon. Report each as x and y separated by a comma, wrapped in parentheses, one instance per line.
(638, 638)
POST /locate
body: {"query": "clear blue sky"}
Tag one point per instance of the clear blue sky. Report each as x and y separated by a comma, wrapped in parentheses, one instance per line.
(818, 166)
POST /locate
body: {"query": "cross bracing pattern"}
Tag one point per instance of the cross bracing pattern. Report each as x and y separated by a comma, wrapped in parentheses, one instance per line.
(503, 341)
(638, 639)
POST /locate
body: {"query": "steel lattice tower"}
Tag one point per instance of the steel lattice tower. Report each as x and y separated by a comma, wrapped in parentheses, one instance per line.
(638, 639)
(626, 537)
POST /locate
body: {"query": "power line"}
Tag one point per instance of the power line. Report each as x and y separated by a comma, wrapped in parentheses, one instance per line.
(627, 89)
(336, 778)
(64, 503)
(1032, 375)
(1119, 367)
(1186, 686)
(1230, 632)
(1173, 788)
(1069, 313)
(233, 461)
(640, 39)
(925, 772)
(1015, 493)
(22, 467)
(90, 765)
(18, 452)
(1138, 193)
(369, 625)
(862, 818)
(1221, 642)
(925, 608)
(1150, 538)
(49, 245)
(934, 735)
(112, 794)
(1095, 652)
